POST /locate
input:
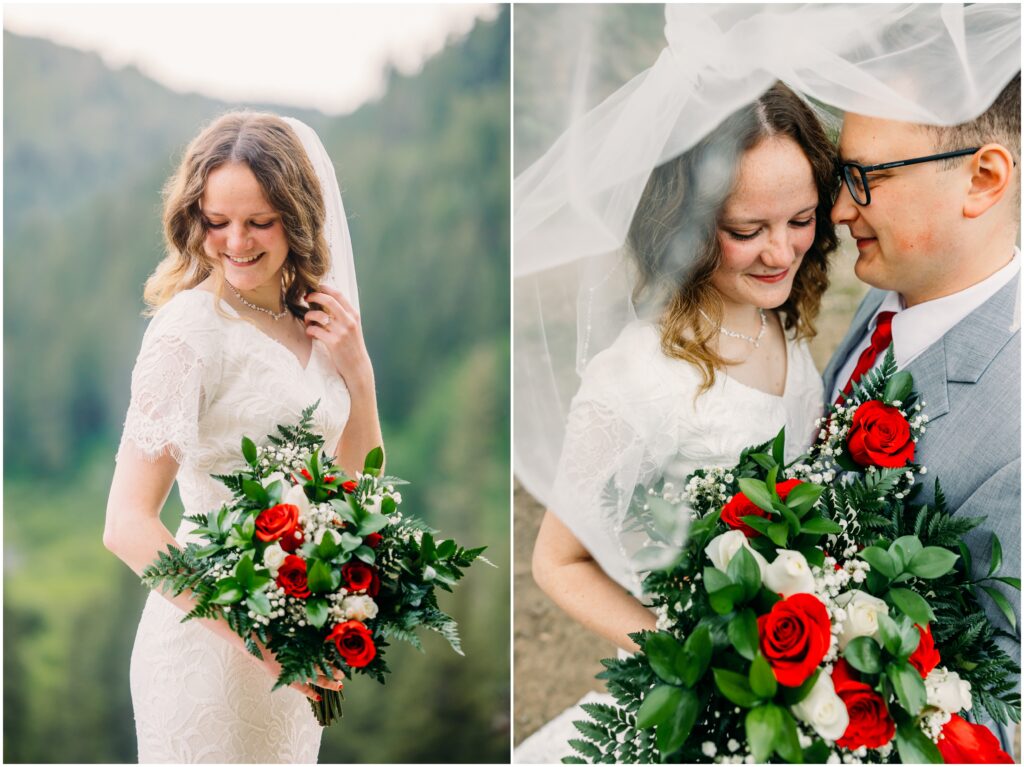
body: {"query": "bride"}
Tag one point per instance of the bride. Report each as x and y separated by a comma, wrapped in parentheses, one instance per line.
(247, 331)
(724, 366)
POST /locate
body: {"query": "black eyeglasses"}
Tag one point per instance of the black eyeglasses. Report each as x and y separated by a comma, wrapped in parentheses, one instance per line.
(856, 175)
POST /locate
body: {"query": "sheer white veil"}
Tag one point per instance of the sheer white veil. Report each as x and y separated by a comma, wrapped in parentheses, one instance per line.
(342, 273)
(924, 63)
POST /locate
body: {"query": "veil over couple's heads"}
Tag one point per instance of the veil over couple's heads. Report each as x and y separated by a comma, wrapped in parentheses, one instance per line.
(254, 161)
(742, 218)
(934, 228)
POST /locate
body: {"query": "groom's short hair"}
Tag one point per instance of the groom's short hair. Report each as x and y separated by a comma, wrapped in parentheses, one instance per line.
(999, 124)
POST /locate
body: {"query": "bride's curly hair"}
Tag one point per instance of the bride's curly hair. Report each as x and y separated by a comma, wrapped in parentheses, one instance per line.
(678, 215)
(275, 155)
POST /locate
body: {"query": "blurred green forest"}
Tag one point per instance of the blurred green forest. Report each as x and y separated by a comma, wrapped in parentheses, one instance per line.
(425, 176)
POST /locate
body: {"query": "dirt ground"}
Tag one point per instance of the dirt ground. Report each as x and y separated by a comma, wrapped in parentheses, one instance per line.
(556, 658)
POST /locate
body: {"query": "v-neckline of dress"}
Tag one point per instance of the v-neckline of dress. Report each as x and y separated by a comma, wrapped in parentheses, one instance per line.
(295, 358)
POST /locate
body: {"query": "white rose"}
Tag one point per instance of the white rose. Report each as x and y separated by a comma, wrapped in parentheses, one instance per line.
(277, 476)
(273, 557)
(789, 574)
(823, 709)
(862, 611)
(721, 549)
(359, 608)
(947, 691)
(296, 496)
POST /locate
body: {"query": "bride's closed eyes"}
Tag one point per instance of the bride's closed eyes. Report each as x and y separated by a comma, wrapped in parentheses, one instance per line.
(744, 236)
(222, 224)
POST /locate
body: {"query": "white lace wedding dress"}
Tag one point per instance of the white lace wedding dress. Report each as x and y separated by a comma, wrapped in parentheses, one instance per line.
(636, 407)
(202, 381)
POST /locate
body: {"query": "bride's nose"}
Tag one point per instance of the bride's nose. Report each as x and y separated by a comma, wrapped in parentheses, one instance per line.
(778, 253)
(238, 239)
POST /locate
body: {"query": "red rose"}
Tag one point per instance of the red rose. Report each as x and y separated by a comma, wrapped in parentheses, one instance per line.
(964, 743)
(328, 477)
(354, 643)
(880, 436)
(740, 506)
(349, 486)
(794, 637)
(291, 576)
(305, 473)
(925, 657)
(373, 540)
(280, 522)
(360, 577)
(870, 723)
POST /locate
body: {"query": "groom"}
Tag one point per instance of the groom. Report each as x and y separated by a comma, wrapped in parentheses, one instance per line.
(936, 241)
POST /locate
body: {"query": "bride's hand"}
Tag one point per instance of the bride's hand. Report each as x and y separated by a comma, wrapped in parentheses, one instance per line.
(337, 325)
(272, 667)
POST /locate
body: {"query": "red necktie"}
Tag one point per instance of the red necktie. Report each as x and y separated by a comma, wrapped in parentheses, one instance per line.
(880, 341)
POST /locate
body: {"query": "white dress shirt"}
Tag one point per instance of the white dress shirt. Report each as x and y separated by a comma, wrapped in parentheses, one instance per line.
(916, 328)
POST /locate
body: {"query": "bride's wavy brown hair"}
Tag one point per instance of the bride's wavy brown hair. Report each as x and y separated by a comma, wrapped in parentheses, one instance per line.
(680, 207)
(275, 155)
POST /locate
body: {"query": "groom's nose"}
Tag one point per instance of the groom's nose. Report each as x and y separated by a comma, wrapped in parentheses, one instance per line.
(845, 210)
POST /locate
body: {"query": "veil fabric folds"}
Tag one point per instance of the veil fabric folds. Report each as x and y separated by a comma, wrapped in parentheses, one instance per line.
(573, 284)
(342, 274)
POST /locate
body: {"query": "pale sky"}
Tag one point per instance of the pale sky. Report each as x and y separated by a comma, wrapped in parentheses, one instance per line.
(324, 56)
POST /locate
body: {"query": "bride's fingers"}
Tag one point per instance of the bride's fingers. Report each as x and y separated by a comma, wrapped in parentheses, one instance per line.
(306, 690)
(321, 318)
(328, 303)
(338, 296)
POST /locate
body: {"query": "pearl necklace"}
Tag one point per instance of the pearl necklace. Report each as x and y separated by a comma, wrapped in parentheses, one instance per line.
(756, 342)
(275, 315)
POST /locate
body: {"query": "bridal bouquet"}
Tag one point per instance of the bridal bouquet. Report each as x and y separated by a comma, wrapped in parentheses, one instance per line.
(320, 568)
(814, 612)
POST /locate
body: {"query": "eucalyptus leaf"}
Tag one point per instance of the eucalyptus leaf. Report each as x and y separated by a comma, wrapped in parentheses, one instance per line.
(932, 562)
(672, 733)
(744, 572)
(1003, 604)
(697, 650)
(249, 451)
(762, 723)
(864, 654)
(820, 525)
(762, 678)
(879, 560)
(228, 592)
(318, 577)
(898, 388)
(913, 605)
(779, 533)
(259, 603)
(915, 747)
(657, 705)
(909, 686)
(245, 572)
(996, 556)
(735, 687)
(316, 612)
(742, 632)
(802, 498)
(661, 649)
(756, 492)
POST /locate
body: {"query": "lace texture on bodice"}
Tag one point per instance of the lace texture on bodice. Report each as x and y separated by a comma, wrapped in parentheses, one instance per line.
(201, 382)
(636, 420)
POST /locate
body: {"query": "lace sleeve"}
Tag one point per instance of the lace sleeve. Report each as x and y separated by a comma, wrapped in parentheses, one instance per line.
(171, 385)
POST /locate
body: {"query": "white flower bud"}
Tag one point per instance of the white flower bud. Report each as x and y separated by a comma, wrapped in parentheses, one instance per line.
(722, 548)
(790, 574)
(823, 709)
(947, 691)
(862, 611)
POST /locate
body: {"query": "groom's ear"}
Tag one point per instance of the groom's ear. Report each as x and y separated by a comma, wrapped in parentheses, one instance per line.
(992, 176)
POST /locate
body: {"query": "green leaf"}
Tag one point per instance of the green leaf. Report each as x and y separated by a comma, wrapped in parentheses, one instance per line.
(915, 747)
(879, 560)
(662, 649)
(697, 650)
(1012, 582)
(374, 460)
(932, 562)
(802, 498)
(715, 579)
(228, 592)
(769, 483)
(672, 733)
(908, 544)
(249, 451)
(762, 678)
(351, 542)
(864, 654)
(763, 460)
(913, 605)
(735, 687)
(316, 612)
(890, 634)
(374, 523)
(778, 532)
(259, 603)
(327, 548)
(817, 752)
(815, 556)
(898, 388)
(757, 523)
(254, 491)
(248, 528)
(965, 555)
(742, 632)
(779, 446)
(274, 492)
(786, 743)
(318, 578)
(658, 704)
(819, 525)
(909, 686)
(744, 572)
(756, 492)
(724, 600)
(996, 555)
(1003, 604)
(762, 723)
(245, 573)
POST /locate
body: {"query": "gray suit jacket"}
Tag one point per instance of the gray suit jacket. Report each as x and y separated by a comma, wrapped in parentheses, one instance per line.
(969, 381)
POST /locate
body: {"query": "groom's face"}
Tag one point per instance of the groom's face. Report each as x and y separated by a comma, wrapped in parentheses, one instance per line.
(903, 235)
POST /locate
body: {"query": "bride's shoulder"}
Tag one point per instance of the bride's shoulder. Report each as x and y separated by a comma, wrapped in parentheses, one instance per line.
(634, 368)
(190, 315)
